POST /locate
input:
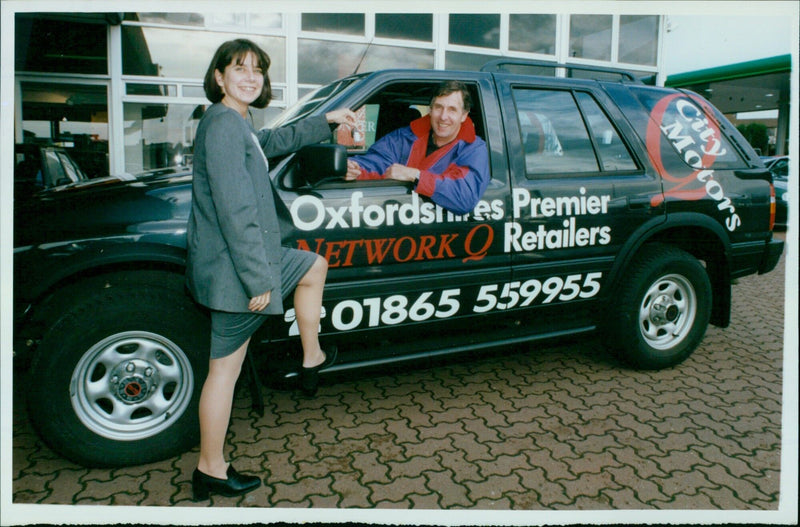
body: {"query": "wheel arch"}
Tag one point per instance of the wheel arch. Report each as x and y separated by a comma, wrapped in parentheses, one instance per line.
(698, 235)
(153, 263)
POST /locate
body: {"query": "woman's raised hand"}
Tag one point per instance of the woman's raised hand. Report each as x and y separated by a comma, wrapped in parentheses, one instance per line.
(342, 116)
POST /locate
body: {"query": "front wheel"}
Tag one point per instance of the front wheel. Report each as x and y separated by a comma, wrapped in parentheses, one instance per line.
(664, 307)
(116, 380)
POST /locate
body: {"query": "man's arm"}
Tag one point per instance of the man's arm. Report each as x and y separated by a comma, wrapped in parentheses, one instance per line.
(392, 148)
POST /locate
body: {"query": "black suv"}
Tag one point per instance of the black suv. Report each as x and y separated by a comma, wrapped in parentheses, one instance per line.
(613, 206)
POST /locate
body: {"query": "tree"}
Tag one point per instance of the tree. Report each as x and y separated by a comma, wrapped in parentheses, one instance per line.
(757, 135)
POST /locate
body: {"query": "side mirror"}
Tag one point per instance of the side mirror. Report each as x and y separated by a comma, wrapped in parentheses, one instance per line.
(321, 162)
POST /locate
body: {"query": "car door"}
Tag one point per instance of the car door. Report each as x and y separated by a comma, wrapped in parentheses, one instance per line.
(395, 258)
(581, 187)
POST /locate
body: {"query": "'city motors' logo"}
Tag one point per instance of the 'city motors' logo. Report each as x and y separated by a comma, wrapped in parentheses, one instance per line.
(699, 142)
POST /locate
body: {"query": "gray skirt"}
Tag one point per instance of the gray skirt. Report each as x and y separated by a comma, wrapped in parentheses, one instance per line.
(230, 330)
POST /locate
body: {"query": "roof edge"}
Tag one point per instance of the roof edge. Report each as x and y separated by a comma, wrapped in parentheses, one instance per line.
(776, 64)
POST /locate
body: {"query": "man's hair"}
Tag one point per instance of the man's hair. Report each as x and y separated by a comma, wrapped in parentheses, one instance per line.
(235, 51)
(448, 87)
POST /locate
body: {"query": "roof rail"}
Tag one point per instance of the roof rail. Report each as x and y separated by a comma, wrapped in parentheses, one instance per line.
(497, 65)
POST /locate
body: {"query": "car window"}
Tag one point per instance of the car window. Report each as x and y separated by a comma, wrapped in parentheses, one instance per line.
(393, 107)
(780, 168)
(71, 169)
(614, 155)
(310, 102)
(554, 137)
(55, 171)
(691, 128)
(360, 137)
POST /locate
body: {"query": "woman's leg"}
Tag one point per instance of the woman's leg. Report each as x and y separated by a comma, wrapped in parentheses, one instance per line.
(308, 308)
(216, 401)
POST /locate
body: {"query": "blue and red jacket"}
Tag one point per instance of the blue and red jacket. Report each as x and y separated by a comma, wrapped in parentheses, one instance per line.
(455, 176)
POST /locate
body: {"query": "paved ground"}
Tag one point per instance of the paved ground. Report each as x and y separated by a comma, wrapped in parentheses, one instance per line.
(563, 427)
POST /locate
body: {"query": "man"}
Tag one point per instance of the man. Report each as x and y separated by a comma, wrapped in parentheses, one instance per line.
(439, 153)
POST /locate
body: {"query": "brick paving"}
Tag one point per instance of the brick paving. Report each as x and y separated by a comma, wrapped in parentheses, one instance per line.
(559, 427)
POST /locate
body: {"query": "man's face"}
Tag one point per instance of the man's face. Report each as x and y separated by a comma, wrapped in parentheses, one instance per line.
(447, 114)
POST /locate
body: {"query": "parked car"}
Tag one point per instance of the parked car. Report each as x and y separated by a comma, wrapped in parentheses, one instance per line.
(779, 166)
(39, 167)
(781, 202)
(632, 227)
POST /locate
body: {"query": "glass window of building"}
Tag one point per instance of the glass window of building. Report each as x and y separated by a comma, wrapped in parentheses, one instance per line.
(174, 19)
(141, 88)
(638, 39)
(343, 23)
(162, 135)
(265, 21)
(60, 46)
(158, 135)
(408, 26)
(532, 33)
(184, 53)
(270, 21)
(590, 37)
(323, 61)
(249, 21)
(482, 31)
(455, 60)
(194, 90)
(71, 116)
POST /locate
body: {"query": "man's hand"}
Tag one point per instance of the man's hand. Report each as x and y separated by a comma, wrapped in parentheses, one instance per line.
(259, 303)
(400, 172)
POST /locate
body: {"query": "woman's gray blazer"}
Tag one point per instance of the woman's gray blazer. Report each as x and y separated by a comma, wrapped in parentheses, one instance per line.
(233, 235)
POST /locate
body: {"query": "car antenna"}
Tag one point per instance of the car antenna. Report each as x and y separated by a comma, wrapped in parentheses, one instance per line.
(363, 56)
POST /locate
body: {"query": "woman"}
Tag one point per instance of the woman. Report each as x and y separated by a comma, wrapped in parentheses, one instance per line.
(236, 264)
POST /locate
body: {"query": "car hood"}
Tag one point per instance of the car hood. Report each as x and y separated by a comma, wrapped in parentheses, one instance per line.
(103, 207)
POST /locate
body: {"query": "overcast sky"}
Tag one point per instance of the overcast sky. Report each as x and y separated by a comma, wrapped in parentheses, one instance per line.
(706, 41)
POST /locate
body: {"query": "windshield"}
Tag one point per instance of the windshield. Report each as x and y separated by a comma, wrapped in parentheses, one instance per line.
(310, 102)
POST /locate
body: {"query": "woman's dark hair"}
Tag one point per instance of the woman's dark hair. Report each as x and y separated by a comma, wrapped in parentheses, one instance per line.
(448, 87)
(235, 51)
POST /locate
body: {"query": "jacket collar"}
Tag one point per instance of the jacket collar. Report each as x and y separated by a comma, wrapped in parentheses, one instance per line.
(421, 128)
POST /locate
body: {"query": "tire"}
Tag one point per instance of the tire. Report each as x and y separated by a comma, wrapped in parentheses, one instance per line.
(116, 381)
(664, 308)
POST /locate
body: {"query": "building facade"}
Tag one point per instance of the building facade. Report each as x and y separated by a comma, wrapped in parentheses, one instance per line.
(122, 92)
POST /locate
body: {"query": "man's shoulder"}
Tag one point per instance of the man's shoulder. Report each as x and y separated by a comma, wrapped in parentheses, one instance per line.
(478, 141)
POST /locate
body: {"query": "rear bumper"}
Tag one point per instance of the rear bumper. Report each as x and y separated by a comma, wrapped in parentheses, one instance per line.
(755, 257)
(772, 253)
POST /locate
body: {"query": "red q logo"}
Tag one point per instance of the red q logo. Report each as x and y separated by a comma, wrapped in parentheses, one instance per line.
(694, 137)
(699, 142)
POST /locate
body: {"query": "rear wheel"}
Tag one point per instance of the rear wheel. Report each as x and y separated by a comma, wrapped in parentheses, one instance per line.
(116, 380)
(664, 308)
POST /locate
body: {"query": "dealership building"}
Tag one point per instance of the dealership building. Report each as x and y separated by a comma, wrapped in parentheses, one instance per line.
(122, 92)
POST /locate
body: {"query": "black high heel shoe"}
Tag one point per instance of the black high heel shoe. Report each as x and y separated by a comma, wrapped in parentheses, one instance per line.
(309, 377)
(236, 484)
